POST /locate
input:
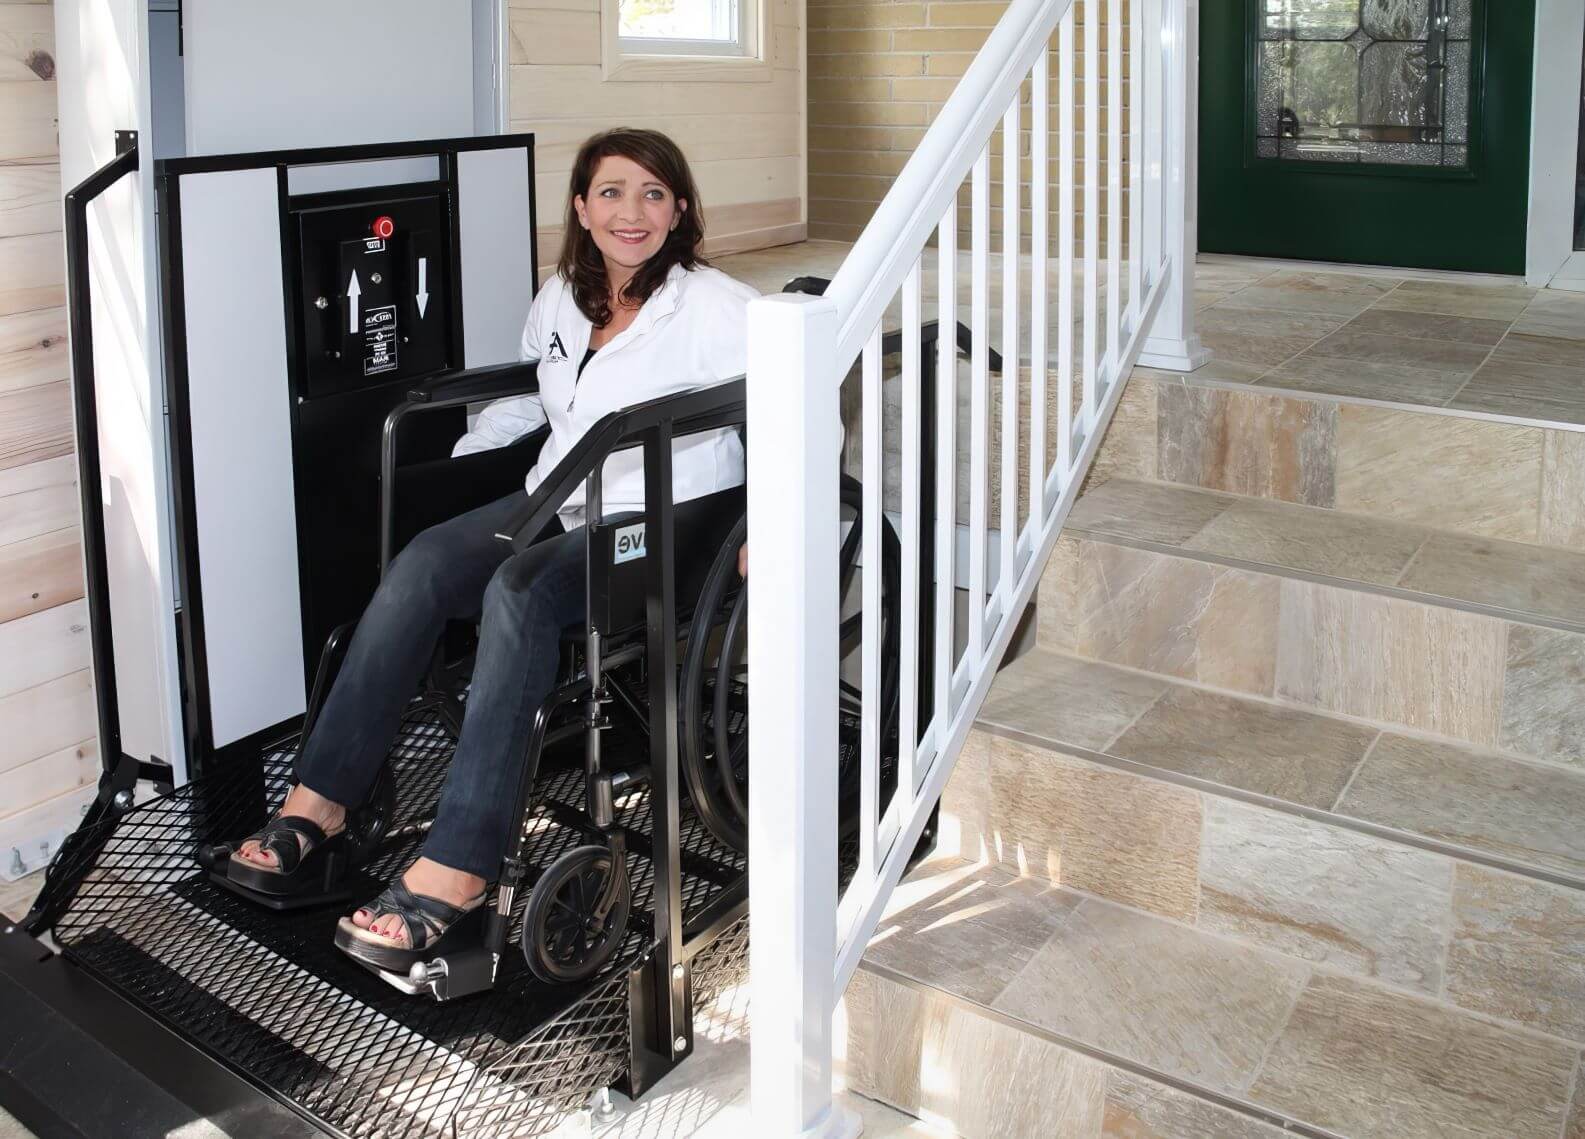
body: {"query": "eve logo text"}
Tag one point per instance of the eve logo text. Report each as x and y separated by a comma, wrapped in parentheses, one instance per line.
(629, 543)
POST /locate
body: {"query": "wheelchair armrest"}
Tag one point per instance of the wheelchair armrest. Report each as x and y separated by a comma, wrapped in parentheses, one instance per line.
(474, 385)
(893, 341)
(446, 390)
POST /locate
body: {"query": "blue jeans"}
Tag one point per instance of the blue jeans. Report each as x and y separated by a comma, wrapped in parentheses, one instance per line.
(457, 570)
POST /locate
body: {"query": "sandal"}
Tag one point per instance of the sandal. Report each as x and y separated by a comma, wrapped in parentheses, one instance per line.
(298, 865)
(433, 927)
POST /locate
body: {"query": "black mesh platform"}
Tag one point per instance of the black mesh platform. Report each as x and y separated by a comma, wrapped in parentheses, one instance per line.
(269, 995)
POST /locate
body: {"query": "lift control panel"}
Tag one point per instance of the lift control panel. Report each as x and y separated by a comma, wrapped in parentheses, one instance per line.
(375, 298)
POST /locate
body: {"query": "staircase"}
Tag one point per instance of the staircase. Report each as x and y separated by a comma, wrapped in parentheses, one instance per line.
(1280, 826)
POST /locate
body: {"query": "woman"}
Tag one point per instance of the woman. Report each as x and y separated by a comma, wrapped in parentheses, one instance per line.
(633, 313)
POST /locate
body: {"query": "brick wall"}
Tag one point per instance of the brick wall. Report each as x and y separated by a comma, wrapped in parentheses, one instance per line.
(879, 73)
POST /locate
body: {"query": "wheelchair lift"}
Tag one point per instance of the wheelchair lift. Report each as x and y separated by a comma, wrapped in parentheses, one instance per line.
(255, 332)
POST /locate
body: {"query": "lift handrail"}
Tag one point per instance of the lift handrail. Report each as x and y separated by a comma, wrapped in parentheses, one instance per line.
(722, 405)
(85, 412)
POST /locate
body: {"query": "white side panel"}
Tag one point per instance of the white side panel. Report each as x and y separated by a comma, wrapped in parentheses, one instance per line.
(299, 73)
(242, 450)
(102, 85)
(497, 253)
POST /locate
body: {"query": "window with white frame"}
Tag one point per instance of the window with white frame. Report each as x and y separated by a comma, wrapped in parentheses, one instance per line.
(687, 27)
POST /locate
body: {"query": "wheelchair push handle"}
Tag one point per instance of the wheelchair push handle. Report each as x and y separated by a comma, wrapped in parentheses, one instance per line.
(893, 341)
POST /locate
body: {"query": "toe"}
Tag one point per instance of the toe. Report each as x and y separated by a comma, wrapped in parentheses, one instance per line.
(362, 918)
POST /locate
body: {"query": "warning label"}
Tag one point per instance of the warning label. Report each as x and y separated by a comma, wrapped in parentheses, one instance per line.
(379, 340)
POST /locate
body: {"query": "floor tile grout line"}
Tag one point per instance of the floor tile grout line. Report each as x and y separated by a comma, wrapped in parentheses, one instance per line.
(1166, 690)
(1337, 803)
(1408, 565)
(1281, 1030)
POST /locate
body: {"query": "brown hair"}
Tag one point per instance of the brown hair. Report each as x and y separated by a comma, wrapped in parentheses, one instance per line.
(581, 263)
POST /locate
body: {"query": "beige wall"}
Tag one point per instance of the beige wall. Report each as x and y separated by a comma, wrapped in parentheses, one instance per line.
(743, 139)
(46, 705)
(879, 72)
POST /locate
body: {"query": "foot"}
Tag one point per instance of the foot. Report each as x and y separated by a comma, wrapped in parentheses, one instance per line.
(303, 804)
(431, 880)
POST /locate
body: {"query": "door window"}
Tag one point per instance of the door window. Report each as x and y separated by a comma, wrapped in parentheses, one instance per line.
(1364, 81)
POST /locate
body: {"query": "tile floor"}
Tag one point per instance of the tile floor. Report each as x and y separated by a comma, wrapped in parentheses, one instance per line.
(1459, 342)
(1245, 1022)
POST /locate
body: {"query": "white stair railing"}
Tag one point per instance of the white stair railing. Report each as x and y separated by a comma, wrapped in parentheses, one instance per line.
(806, 941)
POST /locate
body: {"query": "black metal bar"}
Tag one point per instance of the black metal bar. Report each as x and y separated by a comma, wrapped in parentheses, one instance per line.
(336, 155)
(673, 987)
(724, 909)
(85, 407)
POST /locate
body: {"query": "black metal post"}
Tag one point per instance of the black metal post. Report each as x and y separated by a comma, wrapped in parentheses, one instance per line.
(79, 315)
(671, 981)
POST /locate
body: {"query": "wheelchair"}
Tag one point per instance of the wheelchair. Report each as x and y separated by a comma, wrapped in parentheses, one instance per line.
(667, 620)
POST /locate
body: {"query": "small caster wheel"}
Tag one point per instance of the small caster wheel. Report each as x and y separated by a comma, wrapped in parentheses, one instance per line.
(368, 826)
(574, 923)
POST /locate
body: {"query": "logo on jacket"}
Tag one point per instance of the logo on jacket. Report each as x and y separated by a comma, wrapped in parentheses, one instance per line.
(558, 351)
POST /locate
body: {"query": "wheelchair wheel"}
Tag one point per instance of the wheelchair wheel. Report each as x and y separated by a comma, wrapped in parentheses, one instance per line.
(713, 691)
(368, 826)
(565, 935)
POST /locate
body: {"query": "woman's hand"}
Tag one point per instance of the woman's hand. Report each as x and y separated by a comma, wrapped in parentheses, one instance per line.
(742, 561)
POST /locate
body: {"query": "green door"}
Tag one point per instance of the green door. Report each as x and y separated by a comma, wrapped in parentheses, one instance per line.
(1389, 132)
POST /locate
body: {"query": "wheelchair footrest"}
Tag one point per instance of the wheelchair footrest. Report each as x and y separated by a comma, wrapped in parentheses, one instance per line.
(354, 884)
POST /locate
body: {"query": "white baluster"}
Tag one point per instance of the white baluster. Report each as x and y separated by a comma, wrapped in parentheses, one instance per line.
(870, 615)
(946, 463)
(1067, 47)
(1114, 187)
(1012, 176)
(1092, 211)
(908, 642)
(1136, 206)
(1039, 267)
(979, 397)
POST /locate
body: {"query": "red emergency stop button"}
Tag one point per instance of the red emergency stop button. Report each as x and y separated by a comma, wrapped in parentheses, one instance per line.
(383, 227)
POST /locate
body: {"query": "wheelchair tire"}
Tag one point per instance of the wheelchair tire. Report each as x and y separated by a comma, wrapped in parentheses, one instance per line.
(563, 938)
(711, 758)
(368, 826)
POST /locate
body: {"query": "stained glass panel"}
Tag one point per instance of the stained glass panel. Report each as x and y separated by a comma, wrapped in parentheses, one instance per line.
(1364, 81)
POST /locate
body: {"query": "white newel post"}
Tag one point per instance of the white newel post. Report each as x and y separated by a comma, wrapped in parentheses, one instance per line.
(794, 440)
(1173, 343)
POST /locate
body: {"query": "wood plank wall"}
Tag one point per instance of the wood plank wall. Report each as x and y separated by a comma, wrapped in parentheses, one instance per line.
(745, 141)
(47, 748)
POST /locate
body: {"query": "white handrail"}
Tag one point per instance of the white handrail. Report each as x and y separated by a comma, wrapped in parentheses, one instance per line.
(873, 270)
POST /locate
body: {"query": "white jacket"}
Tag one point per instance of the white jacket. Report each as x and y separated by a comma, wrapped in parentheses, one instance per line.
(691, 333)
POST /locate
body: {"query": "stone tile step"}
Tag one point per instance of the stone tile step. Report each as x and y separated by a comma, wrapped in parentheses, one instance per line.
(1512, 579)
(1434, 868)
(1338, 613)
(1470, 473)
(1005, 1006)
